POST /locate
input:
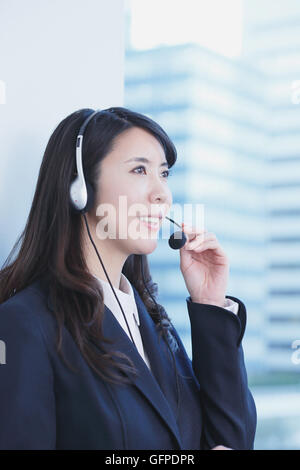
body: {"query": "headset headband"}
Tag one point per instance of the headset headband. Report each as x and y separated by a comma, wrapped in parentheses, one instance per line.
(81, 193)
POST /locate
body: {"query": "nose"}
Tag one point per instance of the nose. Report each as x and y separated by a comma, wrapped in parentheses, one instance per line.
(160, 193)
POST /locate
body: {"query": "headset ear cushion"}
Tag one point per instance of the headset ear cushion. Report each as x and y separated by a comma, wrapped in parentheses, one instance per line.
(91, 198)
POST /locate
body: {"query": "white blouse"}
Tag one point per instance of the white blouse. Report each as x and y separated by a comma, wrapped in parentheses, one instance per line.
(127, 300)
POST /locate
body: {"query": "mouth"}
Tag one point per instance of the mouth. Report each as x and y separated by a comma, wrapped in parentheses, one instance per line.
(151, 222)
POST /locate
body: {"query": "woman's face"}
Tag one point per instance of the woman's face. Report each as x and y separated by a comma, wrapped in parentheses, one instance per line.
(128, 189)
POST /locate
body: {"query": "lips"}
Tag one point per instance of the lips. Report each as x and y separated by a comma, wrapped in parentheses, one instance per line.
(151, 222)
(153, 216)
(150, 218)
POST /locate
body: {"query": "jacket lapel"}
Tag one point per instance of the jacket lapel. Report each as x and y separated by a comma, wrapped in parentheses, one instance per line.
(160, 357)
(151, 385)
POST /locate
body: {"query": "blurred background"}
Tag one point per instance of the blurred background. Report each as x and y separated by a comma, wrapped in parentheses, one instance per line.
(223, 79)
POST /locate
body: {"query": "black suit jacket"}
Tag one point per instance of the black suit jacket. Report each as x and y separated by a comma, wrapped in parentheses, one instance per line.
(44, 405)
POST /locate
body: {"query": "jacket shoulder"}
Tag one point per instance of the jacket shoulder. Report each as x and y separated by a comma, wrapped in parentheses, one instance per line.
(27, 308)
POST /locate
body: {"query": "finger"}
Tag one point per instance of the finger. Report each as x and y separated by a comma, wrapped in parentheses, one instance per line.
(207, 245)
(191, 232)
(189, 229)
(200, 239)
(210, 245)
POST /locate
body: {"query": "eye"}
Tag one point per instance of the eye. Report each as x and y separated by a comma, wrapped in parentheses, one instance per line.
(167, 172)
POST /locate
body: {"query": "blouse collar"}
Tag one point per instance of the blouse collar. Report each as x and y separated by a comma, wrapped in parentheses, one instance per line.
(125, 295)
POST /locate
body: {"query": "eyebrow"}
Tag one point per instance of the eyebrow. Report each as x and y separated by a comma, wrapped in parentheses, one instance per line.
(144, 160)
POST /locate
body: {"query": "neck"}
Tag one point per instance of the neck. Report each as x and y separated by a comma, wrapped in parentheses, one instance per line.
(111, 257)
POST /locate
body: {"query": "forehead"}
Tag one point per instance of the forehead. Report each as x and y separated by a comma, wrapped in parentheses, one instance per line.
(137, 142)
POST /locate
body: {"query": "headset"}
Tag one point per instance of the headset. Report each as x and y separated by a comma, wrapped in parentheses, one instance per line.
(82, 199)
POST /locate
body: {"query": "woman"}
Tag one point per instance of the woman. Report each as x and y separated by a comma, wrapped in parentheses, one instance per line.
(80, 372)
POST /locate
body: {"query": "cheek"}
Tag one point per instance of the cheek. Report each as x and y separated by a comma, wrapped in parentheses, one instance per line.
(169, 198)
(109, 189)
(117, 197)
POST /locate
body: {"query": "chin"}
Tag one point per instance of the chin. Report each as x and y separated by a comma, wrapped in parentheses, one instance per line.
(145, 247)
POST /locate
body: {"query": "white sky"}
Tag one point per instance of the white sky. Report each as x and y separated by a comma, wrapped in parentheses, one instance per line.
(215, 24)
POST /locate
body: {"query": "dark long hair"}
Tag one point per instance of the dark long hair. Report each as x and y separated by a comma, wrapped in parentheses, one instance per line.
(51, 243)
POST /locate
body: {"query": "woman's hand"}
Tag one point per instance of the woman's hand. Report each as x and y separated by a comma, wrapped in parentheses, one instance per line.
(204, 266)
(221, 448)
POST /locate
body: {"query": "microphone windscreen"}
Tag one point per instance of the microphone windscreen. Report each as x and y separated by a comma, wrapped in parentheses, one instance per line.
(178, 242)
